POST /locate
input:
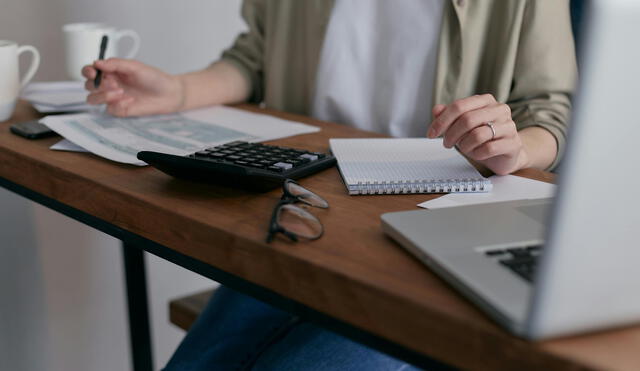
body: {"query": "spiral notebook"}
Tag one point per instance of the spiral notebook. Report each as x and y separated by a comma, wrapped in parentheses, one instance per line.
(404, 165)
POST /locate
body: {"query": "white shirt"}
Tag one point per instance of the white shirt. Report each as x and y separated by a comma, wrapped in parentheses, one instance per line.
(377, 65)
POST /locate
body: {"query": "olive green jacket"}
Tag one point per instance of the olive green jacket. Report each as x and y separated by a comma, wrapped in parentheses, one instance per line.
(521, 51)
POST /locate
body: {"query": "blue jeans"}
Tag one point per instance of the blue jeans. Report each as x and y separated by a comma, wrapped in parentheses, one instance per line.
(237, 332)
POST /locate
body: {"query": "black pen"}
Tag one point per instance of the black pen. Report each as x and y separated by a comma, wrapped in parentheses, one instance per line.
(103, 47)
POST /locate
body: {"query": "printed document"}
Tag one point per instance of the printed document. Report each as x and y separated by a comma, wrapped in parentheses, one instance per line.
(68, 146)
(120, 139)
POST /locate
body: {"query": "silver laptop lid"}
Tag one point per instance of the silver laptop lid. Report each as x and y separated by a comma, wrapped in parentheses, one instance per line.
(590, 274)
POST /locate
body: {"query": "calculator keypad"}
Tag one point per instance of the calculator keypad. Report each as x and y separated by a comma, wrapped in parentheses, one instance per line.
(257, 155)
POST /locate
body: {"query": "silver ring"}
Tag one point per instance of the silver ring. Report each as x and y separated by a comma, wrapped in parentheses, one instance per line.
(493, 131)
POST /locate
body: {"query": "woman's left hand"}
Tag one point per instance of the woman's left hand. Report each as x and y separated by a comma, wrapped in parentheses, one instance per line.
(466, 124)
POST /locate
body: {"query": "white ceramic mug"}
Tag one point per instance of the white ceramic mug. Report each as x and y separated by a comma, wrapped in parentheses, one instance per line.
(10, 83)
(82, 45)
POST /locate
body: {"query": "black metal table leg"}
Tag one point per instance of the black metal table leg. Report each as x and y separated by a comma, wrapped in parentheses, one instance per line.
(139, 329)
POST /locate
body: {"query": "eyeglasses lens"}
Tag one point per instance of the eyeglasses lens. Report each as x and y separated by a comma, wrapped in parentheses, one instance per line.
(306, 196)
(299, 222)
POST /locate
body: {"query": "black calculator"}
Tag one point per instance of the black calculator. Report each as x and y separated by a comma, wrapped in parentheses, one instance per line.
(252, 166)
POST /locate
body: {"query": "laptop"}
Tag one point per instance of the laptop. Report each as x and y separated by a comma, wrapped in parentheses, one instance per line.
(548, 268)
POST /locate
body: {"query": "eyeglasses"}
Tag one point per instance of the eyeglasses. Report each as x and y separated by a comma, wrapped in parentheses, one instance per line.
(294, 221)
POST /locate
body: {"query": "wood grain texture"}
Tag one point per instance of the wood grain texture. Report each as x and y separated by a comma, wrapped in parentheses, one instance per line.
(353, 273)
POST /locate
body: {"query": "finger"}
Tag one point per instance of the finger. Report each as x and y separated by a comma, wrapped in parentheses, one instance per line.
(117, 65)
(483, 133)
(121, 108)
(101, 97)
(89, 85)
(472, 119)
(438, 109)
(496, 148)
(89, 72)
(455, 109)
(109, 82)
(474, 139)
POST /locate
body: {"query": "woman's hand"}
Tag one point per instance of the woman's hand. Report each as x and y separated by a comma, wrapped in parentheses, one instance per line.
(131, 88)
(463, 124)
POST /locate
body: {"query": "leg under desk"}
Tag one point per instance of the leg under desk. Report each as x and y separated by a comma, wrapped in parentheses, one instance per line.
(139, 330)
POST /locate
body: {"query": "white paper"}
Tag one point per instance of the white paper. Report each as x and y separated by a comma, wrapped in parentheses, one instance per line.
(57, 96)
(53, 85)
(120, 139)
(262, 127)
(505, 188)
(43, 108)
(59, 93)
(67, 145)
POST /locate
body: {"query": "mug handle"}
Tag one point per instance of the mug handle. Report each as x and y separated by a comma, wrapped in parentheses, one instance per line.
(134, 37)
(35, 63)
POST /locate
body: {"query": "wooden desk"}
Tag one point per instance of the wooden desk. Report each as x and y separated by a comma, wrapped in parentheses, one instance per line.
(353, 280)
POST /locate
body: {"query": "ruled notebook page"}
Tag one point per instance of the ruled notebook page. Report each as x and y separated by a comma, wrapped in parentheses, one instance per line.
(392, 160)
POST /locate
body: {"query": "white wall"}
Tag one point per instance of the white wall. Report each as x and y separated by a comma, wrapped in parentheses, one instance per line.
(62, 303)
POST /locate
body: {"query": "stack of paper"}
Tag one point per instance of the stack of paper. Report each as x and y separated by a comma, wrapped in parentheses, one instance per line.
(59, 96)
(120, 139)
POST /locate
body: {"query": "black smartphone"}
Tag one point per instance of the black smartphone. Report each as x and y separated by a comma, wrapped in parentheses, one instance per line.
(32, 130)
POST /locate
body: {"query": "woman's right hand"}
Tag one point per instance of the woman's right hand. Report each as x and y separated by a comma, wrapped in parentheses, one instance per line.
(132, 88)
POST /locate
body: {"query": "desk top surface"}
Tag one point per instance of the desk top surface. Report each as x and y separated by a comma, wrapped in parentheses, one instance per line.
(353, 273)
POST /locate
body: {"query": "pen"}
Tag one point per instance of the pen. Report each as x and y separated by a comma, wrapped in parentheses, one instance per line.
(103, 47)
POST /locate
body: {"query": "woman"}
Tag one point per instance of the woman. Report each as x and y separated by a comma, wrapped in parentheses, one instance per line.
(493, 78)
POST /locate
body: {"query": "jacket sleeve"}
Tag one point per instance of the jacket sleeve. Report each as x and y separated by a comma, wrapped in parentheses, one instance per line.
(247, 51)
(545, 71)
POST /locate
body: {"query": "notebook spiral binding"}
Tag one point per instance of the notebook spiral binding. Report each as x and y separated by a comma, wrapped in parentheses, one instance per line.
(421, 186)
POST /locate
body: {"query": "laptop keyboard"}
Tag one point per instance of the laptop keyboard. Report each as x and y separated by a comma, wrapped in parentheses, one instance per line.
(521, 260)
